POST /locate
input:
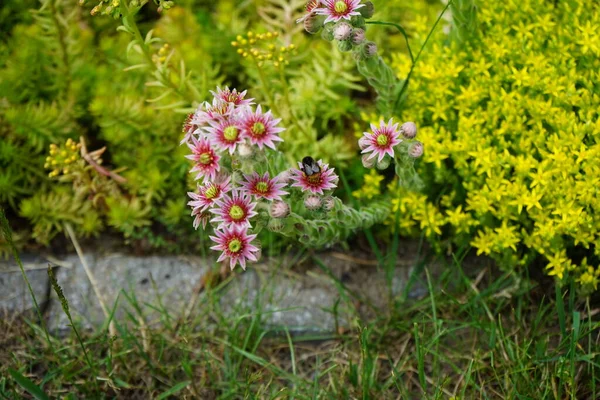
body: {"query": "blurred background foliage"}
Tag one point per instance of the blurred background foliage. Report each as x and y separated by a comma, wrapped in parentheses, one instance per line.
(505, 93)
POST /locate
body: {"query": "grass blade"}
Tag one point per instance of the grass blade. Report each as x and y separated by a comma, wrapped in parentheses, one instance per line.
(28, 385)
(175, 389)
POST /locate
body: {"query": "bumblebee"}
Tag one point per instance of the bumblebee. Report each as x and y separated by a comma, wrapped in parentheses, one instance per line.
(311, 169)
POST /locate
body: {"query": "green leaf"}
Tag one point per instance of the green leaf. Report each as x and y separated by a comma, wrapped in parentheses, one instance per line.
(175, 389)
(28, 385)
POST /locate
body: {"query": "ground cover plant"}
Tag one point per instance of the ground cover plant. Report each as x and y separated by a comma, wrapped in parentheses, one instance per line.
(292, 126)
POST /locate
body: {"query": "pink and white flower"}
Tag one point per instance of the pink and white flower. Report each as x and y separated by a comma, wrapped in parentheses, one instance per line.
(263, 186)
(236, 245)
(315, 183)
(311, 7)
(206, 160)
(261, 128)
(207, 193)
(232, 96)
(200, 217)
(225, 134)
(381, 140)
(207, 113)
(335, 10)
(236, 209)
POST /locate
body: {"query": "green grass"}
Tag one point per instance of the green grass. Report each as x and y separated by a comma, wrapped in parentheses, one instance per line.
(487, 336)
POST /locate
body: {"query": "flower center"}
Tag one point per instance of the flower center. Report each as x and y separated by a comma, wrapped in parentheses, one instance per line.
(235, 245)
(262, 187)
(383, 140)
(340, 7)
(236, 212)
(205, 158)
(212, 192)
(258, 128)
(314, 179)
(231, 133)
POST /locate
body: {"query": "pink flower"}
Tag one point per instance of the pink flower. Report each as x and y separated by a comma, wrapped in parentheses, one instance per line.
(188, 129)
(236, 209)
(225, 134)
(261, 128)
(263, 186)
(207, 193)
(336, 10)
(236, 244)
(311, 7)
(205, 159)
(316, 182)
(232, 96)
(200, 217)
(382, 140)
(207, 113)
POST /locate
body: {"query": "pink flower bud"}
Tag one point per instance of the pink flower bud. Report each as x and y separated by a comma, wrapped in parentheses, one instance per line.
(313, 202)
(284, 177)
(358, 36)
(370, 50)
(313, 23)
(279, 209)
(416, 150)
(363, 142)
(329, 203)
(368, 162)
(409, 130)
(342, 31)
(275, 225)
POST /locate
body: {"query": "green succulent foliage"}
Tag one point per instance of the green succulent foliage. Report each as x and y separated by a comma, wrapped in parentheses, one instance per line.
(48, 212)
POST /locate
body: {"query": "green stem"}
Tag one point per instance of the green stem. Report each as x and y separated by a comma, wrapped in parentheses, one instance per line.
(402, 31)
(286, 94)
(130, 17)
(407, 80)
(263, 80)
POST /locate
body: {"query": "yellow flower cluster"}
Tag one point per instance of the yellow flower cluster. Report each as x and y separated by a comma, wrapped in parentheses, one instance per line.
(262, 47)
(163, 53)
(61, 158)
(371, 187)
(512, 129)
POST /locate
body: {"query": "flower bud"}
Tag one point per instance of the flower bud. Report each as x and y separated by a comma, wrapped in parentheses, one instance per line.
(245, 150)
(368, 10)
(279, 209)
(370, 50)
(313, 203)
(329, 203)
(416, 150)
(275, 225)
(368, 162)
(358, 36)
(385, 163)
(358, 21)
(342, 31)
(313, 23)
(409, 130)
(284, 177)
(344, 45)
(363, 142)
(327, 34)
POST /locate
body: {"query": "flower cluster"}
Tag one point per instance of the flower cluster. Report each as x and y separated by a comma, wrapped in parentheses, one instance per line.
(242, 180)
(262, 48)
(512, 137)
(343, 21)
(219, 135)
(61, 158)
